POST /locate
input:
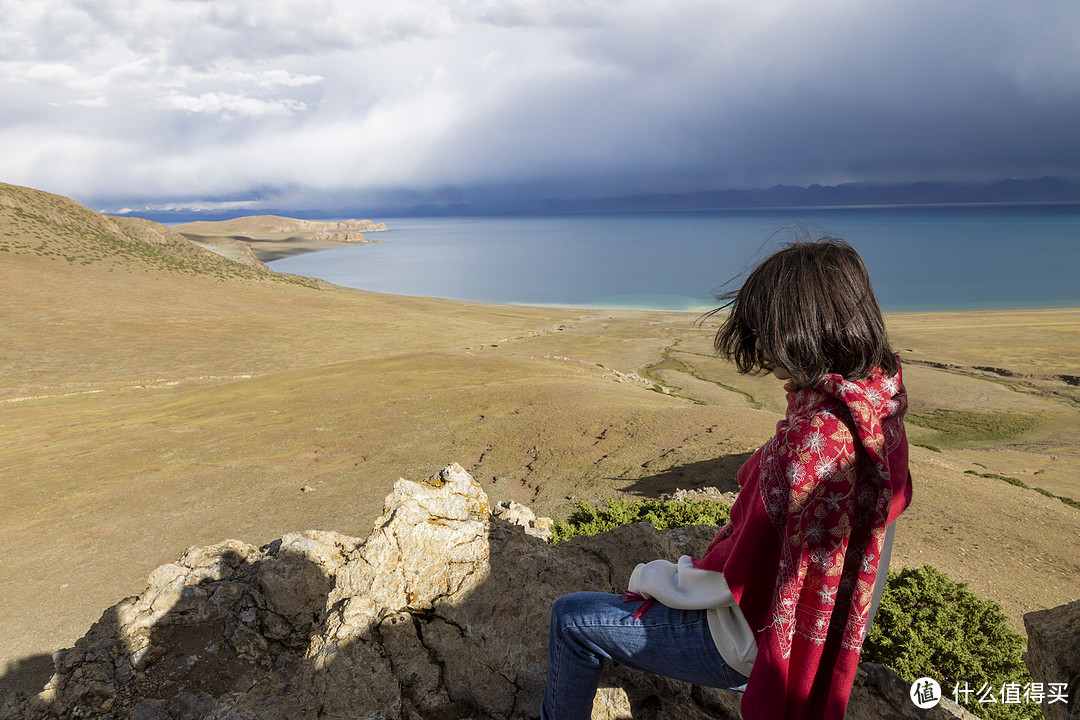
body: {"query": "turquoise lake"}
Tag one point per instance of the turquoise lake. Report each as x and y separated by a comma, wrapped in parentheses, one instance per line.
(919, 258)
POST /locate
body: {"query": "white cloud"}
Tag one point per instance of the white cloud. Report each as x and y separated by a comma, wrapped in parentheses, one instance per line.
(114, 98)
(197, 205)
(229, 104)
(50, 72)
(95, 102)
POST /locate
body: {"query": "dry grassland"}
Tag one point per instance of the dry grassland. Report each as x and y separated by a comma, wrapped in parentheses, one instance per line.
(145, 408)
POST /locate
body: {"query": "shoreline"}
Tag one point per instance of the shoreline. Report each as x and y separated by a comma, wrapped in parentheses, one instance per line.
(293, 249)
(269, 251)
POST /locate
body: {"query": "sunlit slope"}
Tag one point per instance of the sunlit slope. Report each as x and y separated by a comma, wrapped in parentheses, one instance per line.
(43, 225)
(94, 302)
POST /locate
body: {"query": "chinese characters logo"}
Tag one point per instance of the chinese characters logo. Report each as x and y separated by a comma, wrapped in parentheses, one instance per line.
(925, 693)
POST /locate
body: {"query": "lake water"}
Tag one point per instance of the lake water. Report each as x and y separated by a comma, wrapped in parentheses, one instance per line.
(919, 258)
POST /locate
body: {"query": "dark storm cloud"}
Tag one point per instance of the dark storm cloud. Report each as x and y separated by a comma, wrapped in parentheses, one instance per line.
(164, 98)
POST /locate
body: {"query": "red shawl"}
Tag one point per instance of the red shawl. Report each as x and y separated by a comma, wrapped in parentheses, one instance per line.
(800, 553)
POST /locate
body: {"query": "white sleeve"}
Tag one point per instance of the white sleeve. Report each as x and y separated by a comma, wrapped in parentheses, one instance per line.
(882, 574)
(681, 586)
(685, 587)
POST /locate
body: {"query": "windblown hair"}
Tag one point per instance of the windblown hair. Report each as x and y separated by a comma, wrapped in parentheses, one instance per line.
(813, 309)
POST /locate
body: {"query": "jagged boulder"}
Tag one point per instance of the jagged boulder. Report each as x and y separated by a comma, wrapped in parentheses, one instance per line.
(1053, 656)
(441, 613)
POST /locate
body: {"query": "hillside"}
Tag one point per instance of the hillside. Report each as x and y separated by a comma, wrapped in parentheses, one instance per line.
(50, 226)
(156, 396)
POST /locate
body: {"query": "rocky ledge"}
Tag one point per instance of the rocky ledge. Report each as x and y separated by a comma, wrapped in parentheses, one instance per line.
(440, 614)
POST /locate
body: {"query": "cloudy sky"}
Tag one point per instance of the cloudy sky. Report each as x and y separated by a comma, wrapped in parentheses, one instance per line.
(322, 102)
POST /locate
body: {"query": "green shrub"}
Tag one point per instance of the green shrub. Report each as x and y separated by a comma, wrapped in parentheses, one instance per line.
(587, 520)
(1020, 483)
(994, 476)
(930, 626)
(957, 428)
(1068, 501)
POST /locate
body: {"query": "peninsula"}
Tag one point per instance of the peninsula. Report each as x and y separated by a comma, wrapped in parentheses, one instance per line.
(271, 237)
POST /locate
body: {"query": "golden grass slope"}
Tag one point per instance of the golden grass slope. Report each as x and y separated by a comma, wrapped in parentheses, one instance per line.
(42, 225)
(154, 397)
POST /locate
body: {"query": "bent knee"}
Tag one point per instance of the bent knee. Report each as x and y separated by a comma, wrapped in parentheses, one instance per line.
(576, 609)
(568, 606)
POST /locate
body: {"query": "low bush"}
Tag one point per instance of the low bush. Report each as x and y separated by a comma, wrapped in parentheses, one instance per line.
(662, 514)
(931, 626)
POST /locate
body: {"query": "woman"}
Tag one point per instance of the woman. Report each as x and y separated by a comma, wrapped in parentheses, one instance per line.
(780, 603)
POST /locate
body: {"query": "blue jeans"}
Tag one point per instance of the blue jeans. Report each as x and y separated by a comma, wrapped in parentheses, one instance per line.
(590, 627)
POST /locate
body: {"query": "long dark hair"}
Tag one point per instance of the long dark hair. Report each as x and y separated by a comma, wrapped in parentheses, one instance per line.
(813, 309)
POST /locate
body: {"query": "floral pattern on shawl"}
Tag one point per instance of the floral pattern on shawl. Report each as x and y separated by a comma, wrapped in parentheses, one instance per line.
(801, 551)
(810, 490)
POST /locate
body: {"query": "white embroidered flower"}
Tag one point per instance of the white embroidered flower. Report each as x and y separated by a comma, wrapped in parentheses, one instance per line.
(820, 559)
(814, 442)
(827, 595)
(866, 562)
(890, 386)
(795, 473)
(815, 531)
(825, 467)
(785, 609)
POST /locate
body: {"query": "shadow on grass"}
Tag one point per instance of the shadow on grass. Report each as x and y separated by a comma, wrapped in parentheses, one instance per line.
(28, 675)
(717, 472)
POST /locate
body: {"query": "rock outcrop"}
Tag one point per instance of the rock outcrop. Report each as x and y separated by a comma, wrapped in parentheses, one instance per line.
(1053, 656)
(441, 613)
(343, 236)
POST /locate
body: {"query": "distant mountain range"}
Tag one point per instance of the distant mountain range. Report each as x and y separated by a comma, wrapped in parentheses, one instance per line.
(1044, 190)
